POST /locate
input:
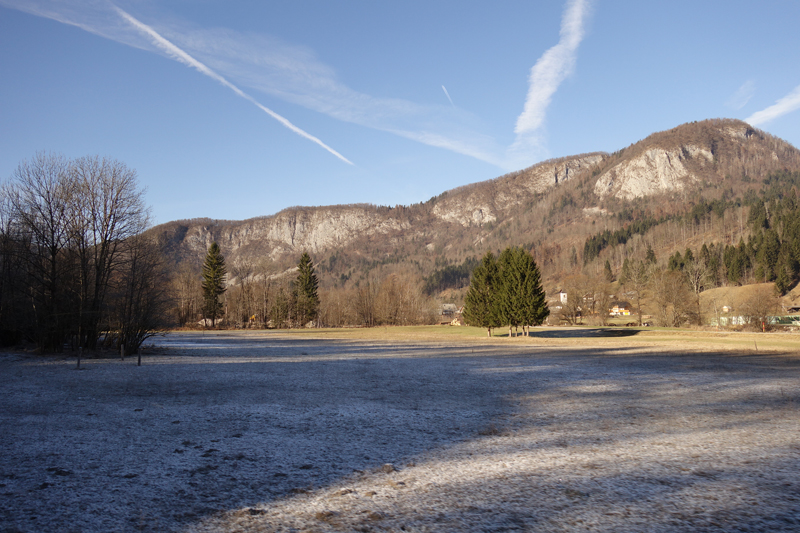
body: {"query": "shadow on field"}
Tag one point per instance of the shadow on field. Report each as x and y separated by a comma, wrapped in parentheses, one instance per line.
(610, 441)
(229, 424)
(580, 332)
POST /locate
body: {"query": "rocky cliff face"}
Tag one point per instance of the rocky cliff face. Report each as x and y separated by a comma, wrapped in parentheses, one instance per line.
(656, 171)
(680, 160)
(484, 202)
(290, 231)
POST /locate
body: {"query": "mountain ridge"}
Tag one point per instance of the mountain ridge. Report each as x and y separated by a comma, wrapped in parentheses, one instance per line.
(551, 206)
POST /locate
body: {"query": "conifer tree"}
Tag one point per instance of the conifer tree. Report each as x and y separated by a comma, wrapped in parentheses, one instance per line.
(626, 271)
(535, 310)
(607, 272)
(304, 291)
(480, 303)
(214, 273)
(782, 281)
(521, 297)
(650, 256)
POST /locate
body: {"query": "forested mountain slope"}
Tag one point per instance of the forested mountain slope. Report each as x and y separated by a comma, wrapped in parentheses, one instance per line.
(552, 208)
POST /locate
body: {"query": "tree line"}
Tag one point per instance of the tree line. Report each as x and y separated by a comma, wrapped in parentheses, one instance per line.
(76, 267)
(258, 308)
(506, 291)
(770, 253)
(450, 277)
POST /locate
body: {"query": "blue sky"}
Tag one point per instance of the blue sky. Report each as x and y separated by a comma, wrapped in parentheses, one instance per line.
(237, 109)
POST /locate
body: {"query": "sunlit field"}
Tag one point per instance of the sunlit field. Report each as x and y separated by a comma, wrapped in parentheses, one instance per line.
(407, 429)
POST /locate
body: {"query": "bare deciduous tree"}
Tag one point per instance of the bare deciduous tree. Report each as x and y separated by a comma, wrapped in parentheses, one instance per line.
(636, 282)
(576, 288)
(40, 199)
(672, 298)
(365, 303)
(69, 224)
(107, 209)
(762, 304)
(142, 296)
(601, 301)
(697, 274)
(188, 294)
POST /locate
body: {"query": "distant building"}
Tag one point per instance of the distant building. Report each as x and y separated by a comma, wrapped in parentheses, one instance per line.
(620, 309)
(448, 313)
(449, 310)
(730, 321)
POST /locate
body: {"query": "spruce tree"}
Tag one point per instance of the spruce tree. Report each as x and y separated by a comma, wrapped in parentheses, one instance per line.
(509, 294)
(782, 281)
(480, 303)
(214, 273)
(536, 310)
(626, 271)
(650, 256)
(304, 291)
(607, 272)
(521, 296)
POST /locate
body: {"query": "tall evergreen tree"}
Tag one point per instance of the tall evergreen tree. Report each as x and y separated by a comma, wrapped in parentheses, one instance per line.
(304, 291)
(782, 281)
(521, 297)
(758, 218)
(480, 303)
(767, 255)
(535, 311)
(214, 273)
(650, 256)
(626, 271)
(607, 272)
(510, 298)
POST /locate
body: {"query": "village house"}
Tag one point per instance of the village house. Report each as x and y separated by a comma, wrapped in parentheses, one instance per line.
(621, 308)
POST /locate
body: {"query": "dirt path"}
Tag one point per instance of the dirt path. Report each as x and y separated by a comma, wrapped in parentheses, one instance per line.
(271, 433)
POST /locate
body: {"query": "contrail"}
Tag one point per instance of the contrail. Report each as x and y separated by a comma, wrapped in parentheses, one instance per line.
(448, 96)
(181, 56)
(553, 67)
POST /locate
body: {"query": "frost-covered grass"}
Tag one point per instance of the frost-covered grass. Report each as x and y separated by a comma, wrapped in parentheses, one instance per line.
(265, 432)
(583, 335)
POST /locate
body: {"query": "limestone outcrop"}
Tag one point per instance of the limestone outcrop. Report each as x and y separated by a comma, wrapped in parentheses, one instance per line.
(681, 160)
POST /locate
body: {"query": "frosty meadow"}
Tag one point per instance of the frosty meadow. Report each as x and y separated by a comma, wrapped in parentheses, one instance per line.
(232, 431)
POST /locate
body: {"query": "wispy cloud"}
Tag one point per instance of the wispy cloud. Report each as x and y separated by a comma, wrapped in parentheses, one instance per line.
(93, 16)
(294, 74)
(742, 95)
(552, 68)
(179, 55)
(787, 104)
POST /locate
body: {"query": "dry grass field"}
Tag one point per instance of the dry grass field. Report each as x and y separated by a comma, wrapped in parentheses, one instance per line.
(407, 429)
